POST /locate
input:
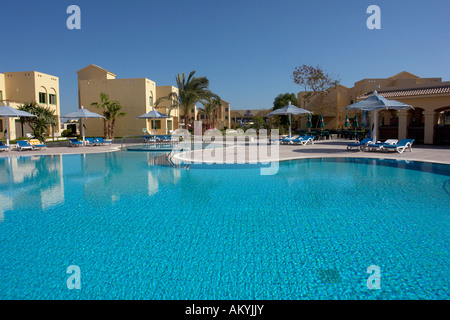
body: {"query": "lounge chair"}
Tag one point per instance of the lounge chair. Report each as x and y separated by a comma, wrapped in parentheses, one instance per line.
(287, 139)
(359, 145)
(149, 139)
(101, 141)
(163, 138)
(380, 145)
(3, 147)
(37, 145)
(400, 146)
(169, 138)
(23, 145)
(304, 140)
(299, 139)
(75, 143)
(275, 141)
(92, 142)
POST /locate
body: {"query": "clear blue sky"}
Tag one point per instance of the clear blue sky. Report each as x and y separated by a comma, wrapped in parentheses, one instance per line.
(247, 48)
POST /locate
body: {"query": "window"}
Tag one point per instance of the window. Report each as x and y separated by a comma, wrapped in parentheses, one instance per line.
(42, 97)
(157, 123)
(150, 101)
(202, 116)
(192, 110)
(169, 125)
(1, 96)
(226, 109)
(226, 117)
(1, 125)
(52, 99)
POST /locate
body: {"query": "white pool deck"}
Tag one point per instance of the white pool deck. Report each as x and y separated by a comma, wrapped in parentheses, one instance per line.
(320, 149)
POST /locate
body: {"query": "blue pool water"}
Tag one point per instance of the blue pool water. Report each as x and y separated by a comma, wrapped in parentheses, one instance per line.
(139, 229)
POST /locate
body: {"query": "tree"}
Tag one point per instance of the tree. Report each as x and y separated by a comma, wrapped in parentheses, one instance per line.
(209, 108)
(45, 117)
(173, 98)
(258, 122)
(111, 114)
(314, 80)
(282, 100)
(192, 90)
(103, 104)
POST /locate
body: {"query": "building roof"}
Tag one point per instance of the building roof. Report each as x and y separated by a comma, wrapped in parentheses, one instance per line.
(408, 92)
(404, 75)
(96, 67)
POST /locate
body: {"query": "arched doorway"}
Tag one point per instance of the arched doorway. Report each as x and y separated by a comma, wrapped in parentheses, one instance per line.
(388, 127)
(442, 128)
(416, 125)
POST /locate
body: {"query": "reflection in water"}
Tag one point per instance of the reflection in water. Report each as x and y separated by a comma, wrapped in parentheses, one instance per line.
(26, 182)
(44, 182)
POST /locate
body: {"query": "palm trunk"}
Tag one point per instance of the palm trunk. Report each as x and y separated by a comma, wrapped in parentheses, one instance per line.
(112, 129)
(105, 127)
(186, 117)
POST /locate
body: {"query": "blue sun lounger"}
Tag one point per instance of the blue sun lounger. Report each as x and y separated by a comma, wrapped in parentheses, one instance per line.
(380, 145)
(287, 139)
(401, 146)
(75, 143)
(149, 139)
(163, 138)
(359, 145)
(101, 141)
(23, 145)
(299, 139)
(37, 145)
(304, 140)
(3, 147)
(92, 142)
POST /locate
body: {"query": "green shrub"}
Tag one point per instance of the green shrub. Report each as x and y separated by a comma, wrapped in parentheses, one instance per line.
(67, 133)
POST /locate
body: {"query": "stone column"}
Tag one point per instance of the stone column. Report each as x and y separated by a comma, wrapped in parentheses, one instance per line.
(402, 124)
(12, 128)
(371, 118)
(430, 121)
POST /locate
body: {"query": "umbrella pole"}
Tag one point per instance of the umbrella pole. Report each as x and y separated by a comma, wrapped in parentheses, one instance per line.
(154, 127)
(7, 131)
(290, 135)
(374, 131)
(82, 129)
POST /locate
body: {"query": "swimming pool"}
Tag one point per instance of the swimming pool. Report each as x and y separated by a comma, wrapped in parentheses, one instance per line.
(140, 229)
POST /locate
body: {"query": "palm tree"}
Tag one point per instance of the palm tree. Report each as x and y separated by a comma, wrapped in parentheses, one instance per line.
(45, 117)
(192, 90)
(103, 104)
(209, 110)
(26, 108)
(111, 114)
(173, 97)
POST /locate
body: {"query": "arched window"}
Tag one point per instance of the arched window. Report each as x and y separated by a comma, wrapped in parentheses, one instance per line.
(43, 95)
(52, 97)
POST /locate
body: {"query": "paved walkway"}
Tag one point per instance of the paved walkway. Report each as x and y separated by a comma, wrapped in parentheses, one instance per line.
(328, 149)
(320, 149)
(338, 148)
(62, 150)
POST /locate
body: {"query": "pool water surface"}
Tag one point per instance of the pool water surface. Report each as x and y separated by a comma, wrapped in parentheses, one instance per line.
(140, 229)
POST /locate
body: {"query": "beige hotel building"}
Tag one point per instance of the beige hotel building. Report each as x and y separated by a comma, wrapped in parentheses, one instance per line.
(136, 96)
(428, 123)
(18, 88)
